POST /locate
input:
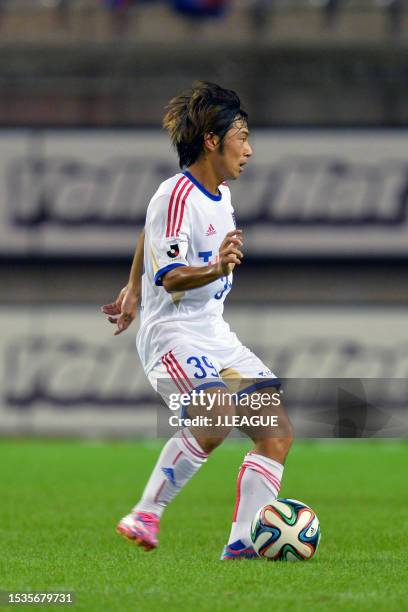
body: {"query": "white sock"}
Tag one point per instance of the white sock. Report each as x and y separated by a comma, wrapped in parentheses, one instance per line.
(179, 460)
(258, 483)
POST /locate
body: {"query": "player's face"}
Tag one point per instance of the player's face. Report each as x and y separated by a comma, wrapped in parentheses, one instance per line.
(236, 150)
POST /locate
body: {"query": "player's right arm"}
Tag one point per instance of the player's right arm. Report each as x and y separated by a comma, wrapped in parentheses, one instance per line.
(183, 278)
(123, 310)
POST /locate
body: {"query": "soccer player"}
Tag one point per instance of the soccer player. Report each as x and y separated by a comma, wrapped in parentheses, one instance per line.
(189, 248)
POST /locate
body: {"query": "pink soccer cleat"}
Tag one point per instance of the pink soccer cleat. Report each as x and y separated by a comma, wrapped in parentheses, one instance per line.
(238, 550)
(141, 527)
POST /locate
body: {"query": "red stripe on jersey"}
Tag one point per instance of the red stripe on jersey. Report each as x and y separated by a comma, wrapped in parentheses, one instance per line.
(182, 209)
(175, 374)
(180, 194)
(169, 211)
(180, 369)
(172, 374)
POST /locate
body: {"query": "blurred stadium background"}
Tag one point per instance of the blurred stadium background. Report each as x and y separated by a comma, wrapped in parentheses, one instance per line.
(324, 288)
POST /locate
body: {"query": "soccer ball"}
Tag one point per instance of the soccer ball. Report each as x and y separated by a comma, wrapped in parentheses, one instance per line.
(285, 529)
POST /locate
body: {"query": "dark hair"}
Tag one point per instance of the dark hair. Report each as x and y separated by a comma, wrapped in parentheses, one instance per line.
(204, 109)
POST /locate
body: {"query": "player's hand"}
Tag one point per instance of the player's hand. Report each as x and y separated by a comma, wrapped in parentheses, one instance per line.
(123, 311)
(230, 254)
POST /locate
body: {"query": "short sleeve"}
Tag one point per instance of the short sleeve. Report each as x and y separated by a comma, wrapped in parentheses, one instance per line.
(169, 236)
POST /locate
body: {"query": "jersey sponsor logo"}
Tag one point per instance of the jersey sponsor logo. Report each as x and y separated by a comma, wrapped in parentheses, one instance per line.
(174, 251)
(205, 255)
(211, 230)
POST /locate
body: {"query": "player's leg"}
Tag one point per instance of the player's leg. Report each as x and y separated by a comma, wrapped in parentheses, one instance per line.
(181, 458)
(260, 474)
(183, 454)
(261, 471)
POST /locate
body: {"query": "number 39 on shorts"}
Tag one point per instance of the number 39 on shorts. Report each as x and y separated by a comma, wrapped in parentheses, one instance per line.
(203, 367)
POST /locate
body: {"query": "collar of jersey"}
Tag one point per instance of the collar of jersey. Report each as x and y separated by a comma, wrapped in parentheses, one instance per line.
(215, 198)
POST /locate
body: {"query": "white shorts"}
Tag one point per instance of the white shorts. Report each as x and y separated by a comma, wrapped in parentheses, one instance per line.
(187, 367)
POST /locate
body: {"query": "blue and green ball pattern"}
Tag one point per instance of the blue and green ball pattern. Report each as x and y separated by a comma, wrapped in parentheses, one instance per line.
(285, 529)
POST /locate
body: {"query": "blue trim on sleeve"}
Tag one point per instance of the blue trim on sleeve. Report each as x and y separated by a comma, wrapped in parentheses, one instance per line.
(261, 384)
(158, 277)
(212, 196)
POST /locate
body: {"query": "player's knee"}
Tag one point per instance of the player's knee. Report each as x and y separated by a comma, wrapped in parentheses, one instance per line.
(283, 445)
(275, 448)
(288, 433)
(210, 444)
(285, 440)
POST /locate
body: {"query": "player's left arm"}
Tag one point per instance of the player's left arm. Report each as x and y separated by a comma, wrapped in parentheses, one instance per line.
(187, 277)
(123, 310)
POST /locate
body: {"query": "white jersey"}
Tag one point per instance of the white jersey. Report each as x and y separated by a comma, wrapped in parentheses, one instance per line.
(185, 225)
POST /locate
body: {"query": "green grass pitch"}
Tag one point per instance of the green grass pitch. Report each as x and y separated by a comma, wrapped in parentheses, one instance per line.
(60, 502)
